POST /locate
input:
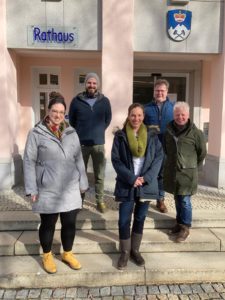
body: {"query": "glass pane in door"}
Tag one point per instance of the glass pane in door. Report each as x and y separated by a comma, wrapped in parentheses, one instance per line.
(54, 79)
(43, 79)
(143, 89)
(177, 88)
(43, 105)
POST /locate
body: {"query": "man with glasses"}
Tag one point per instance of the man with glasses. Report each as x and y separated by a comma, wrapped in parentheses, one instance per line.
(158, 113)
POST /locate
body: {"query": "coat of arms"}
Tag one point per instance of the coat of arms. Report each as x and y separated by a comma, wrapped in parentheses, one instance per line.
(179, 24)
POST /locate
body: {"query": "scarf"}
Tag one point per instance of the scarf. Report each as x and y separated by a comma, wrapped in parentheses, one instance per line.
(179, 129)
(57, 131)
(137, 143)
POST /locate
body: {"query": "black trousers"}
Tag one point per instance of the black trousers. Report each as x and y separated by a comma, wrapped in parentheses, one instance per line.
(68, 229)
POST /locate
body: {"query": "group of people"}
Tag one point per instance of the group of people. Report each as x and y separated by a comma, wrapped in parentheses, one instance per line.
(158, 149)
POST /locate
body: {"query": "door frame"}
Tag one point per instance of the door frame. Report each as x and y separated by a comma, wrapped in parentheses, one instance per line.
(167, 74)
(37, 88)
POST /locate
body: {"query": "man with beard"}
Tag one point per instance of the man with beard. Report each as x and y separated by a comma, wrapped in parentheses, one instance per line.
(90, 114)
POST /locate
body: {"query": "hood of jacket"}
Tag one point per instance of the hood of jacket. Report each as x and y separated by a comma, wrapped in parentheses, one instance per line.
(41, 128)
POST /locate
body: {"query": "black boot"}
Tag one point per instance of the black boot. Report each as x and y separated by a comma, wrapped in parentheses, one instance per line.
(125, 254)
(135, 255)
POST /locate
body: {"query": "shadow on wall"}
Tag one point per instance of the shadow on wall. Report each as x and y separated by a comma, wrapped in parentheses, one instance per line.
(17, 167)
(11, 170)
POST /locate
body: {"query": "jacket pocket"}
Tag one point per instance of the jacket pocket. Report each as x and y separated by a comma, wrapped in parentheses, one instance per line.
(122, 190)
(39, 175)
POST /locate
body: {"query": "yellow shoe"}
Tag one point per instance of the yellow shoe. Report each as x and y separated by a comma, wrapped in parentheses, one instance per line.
(69, 259)
(101, 207)
(48, 263)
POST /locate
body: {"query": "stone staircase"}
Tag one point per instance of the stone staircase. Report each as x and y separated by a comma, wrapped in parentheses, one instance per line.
(200, 258)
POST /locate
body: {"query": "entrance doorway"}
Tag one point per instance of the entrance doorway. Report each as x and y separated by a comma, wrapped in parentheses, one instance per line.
(143, 86)
(45, 80)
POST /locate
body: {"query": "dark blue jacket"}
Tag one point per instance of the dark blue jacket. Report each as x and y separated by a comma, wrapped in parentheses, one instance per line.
(153, 116)
(123, 164)
(90, 122)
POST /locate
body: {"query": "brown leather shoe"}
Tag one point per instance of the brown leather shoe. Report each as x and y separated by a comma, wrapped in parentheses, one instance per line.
(183, 234)
(161, 206)
(175, 229)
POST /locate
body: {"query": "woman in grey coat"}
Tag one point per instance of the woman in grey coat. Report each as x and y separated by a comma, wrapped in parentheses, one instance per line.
(55, 177)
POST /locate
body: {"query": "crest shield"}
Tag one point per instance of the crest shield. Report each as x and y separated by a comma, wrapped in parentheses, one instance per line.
(179, 24)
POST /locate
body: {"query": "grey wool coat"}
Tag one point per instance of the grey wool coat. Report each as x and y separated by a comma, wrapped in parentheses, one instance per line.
(54, 170)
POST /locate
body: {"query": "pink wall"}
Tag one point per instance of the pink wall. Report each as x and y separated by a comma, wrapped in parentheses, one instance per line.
(117, 60)
(205, 92)
(206, 84)
(217, 108)
(67, 70)
(8, 93)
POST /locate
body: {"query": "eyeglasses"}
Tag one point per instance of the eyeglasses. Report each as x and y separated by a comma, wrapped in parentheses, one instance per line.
(56, 112)
(160, 91)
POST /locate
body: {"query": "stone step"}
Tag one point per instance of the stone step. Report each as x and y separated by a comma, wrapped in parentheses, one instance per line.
(91, 219)
(106, 241)
(100, 270)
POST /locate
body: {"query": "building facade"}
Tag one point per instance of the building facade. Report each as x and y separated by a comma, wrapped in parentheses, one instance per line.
(49, 45)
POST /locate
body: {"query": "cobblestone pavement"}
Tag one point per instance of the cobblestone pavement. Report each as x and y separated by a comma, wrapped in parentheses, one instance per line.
(152, 292)
(206, 198)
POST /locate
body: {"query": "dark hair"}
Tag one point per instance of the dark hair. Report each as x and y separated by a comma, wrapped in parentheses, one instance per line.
(131, 107)
(56, 98)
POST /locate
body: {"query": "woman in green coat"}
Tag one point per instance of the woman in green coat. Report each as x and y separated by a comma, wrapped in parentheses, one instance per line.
(185, 150)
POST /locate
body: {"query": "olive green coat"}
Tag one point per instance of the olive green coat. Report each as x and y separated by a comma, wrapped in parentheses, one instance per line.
(184, 153)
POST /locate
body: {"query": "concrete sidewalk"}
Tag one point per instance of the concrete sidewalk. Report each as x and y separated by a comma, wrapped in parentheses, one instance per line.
(199, 259)
(207, 198)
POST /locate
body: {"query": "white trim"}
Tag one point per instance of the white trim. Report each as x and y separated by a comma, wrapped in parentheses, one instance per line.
(37, 88)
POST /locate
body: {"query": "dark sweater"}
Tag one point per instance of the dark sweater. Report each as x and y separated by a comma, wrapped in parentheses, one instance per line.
(90, 122)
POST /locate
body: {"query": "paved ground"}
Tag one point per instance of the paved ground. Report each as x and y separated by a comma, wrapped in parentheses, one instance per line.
(161, 292)
(207, 199)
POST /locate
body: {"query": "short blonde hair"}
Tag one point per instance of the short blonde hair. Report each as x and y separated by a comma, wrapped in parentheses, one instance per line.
(182, 105)
(160, 82)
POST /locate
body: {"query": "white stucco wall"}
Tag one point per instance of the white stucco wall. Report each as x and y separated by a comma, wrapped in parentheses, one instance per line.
(64, 14)
(150, 27)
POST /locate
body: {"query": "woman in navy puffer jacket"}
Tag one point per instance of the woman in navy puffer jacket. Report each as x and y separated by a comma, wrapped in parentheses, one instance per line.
(136, 157)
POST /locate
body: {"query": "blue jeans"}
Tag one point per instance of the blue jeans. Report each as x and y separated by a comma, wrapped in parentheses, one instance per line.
(183, 209)
(161, 192)
(126, 209)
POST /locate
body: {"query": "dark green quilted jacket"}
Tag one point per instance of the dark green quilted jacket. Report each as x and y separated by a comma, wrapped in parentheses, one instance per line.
(184, 153)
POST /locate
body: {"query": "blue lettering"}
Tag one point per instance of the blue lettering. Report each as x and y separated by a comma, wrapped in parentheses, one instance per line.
(51, 36)
(36, 33)
(65, 37)
(60, 37)
(43, 36)
(54, 36)
(71, 37)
